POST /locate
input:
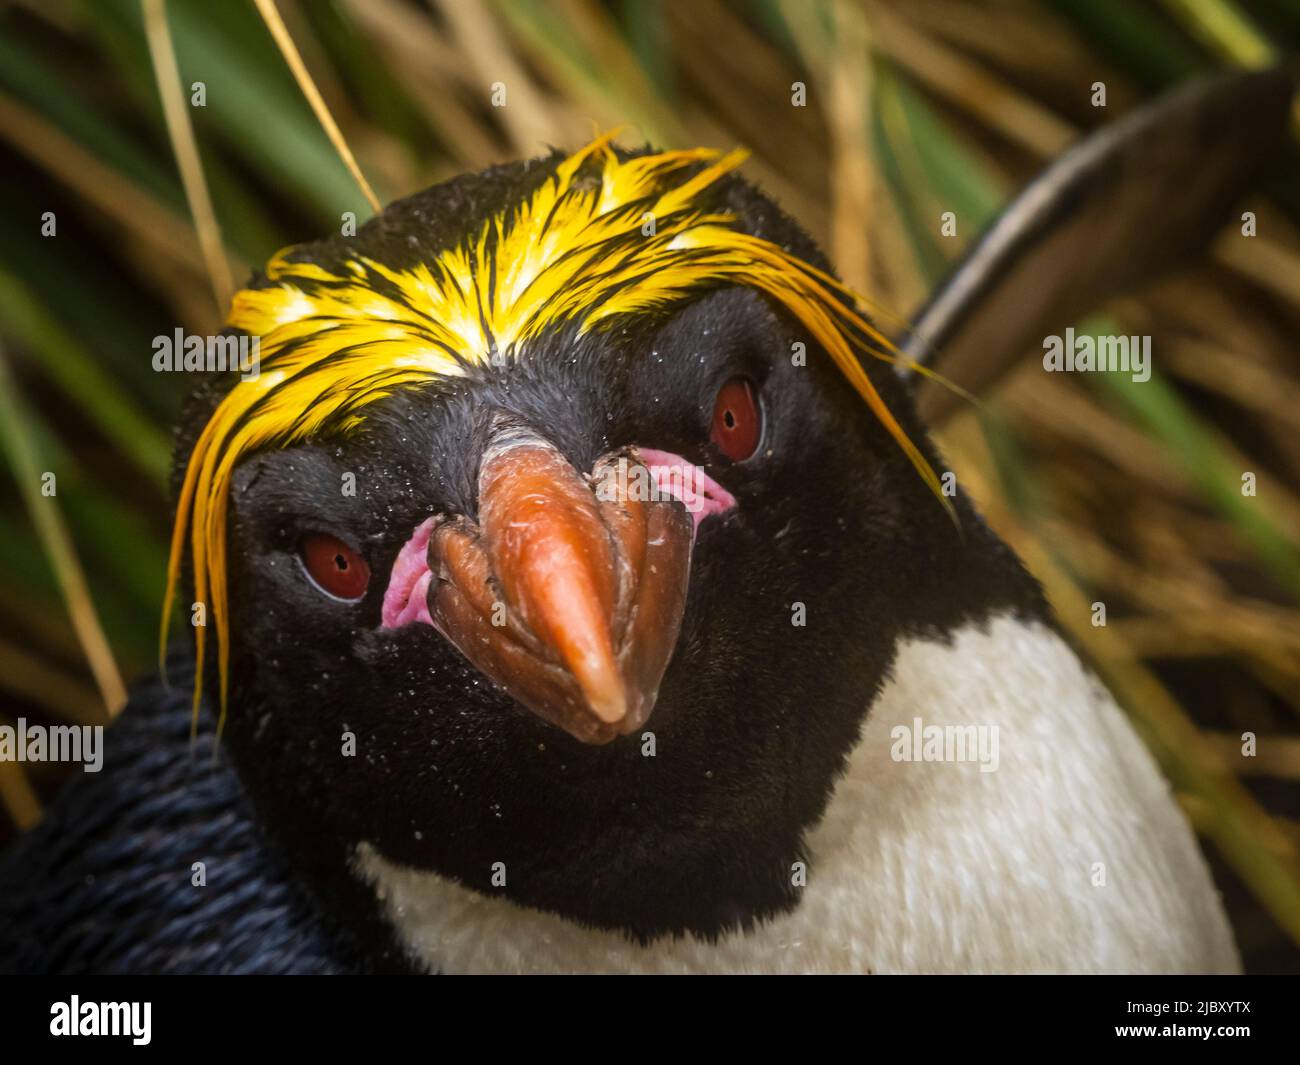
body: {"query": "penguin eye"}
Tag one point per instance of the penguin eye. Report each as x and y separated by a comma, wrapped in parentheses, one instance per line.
(334, 567)
(737, 420)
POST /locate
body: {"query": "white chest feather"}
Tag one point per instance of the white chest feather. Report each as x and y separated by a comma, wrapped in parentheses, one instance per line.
(1070, 856)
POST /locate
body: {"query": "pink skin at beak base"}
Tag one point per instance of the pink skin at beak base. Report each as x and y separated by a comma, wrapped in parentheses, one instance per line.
(405, 599)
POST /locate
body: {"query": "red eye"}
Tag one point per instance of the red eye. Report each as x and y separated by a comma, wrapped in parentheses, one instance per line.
(336, 568)
(737, 423)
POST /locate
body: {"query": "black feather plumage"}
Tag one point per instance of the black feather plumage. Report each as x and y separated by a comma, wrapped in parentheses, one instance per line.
(104, 883)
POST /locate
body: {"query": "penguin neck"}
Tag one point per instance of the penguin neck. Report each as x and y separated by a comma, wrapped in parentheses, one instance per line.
(971, 848)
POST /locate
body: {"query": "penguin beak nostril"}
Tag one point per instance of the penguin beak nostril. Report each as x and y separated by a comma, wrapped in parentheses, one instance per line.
(570, 590)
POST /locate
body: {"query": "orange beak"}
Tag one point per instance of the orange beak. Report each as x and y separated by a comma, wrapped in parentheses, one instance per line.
(569, 591)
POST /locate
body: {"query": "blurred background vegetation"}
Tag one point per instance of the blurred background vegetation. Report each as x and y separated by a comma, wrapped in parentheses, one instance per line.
(1128, 495)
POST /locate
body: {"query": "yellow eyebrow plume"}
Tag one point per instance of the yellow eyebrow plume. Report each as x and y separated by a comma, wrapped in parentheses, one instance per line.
(599, 240)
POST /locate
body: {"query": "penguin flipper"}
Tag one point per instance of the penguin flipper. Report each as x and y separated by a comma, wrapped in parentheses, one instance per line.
(1127, 202)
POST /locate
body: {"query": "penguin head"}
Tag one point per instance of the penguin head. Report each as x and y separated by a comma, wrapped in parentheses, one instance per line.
(603, 605)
